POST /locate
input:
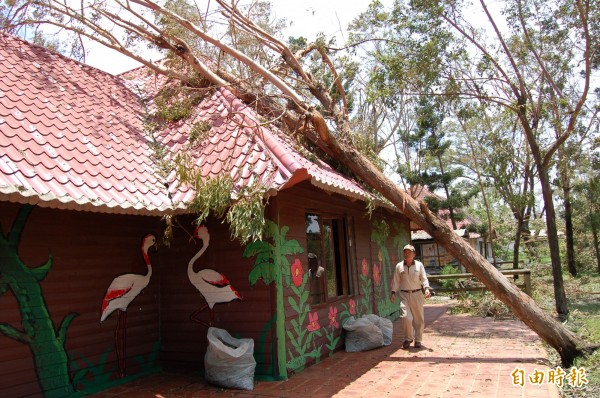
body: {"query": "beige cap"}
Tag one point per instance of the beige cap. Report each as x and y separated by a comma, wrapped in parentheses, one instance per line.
(409, 247)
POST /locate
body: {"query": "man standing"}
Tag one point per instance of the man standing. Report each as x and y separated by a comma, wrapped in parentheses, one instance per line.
(409, 280)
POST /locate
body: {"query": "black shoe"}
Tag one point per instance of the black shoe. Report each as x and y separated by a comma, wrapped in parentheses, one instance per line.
(418, 344)
(406, 344)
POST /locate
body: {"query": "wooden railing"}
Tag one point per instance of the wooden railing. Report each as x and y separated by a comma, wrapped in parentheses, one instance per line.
(515, 273)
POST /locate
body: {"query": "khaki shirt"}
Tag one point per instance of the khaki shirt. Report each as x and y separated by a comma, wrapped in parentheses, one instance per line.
(409, 277)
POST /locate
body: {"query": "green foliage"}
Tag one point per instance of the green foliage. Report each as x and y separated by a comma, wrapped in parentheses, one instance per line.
(449, 270)
(246, 216)
(175, 104)
(213, 196)
(199, 132)
(586, 220)
(297, 43)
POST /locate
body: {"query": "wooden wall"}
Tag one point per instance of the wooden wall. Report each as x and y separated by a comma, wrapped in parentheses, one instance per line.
(288, 209)
(88, 250)
(184, 342)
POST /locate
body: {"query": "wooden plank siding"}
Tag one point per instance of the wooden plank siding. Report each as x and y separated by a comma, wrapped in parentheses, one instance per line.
(184, 342)
(90, 249)
(291, 207)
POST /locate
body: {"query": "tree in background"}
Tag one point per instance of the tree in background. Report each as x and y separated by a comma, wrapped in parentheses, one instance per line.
(587, 201)
(536, 62)
(439, 175)
(501, 159)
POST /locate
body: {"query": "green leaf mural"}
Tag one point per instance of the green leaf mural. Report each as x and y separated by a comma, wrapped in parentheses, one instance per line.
(302, 334)
(47, 344)
(271, 265)
(379, 235)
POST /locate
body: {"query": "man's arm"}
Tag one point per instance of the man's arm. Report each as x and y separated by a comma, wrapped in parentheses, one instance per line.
(395, 283)
(424, 281)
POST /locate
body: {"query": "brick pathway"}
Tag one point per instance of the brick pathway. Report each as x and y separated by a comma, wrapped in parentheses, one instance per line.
(462, 356)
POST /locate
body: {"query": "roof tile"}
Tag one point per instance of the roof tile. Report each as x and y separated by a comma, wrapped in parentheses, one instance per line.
(72, 137)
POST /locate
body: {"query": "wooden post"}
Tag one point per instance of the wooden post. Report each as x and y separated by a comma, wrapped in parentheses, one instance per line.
(527, 278)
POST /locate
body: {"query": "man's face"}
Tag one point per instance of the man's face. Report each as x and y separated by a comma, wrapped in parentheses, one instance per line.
(409, 255)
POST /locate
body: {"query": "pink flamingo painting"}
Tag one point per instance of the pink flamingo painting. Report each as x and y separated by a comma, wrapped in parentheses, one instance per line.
(123, 289)
(212, 285)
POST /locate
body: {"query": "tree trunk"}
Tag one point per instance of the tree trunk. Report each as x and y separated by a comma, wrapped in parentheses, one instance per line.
(560, 297)
(517, 242)
(596, 245)
(569, 226)
(569, 236)
(565, 342)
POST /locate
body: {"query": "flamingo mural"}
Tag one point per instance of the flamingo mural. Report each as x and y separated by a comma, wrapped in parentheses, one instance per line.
(212, 285)
(123, 289)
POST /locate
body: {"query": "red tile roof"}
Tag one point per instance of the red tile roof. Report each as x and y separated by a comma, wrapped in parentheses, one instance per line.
(73, 137)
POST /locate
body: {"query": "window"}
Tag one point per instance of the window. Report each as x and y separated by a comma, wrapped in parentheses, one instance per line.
(329, 240)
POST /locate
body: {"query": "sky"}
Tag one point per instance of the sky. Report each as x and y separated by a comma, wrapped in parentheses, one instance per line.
(308, 18)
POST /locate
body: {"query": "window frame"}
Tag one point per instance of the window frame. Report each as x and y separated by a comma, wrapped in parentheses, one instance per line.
(343, 251)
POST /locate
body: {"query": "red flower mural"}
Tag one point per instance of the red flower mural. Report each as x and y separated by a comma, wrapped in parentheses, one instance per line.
(313, 322)
(333, 322)
(365, 267)
(376, 274)
(352, 307)
(297, 273)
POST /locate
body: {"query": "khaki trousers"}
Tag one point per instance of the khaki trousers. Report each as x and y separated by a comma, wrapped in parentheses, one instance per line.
(413, 320)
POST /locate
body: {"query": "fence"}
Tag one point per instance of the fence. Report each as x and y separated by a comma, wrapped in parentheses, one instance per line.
(515, 273)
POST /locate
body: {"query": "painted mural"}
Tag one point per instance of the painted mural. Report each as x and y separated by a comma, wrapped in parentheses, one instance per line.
(307, 329)
(122, 291)
(303, 334)
(46, 342)
(61, 373)
(366, 287)
(382, 271)
(271, 265)
(212, 285)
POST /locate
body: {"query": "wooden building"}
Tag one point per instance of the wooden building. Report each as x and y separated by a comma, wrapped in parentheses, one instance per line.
(84, 204)
(433, 255)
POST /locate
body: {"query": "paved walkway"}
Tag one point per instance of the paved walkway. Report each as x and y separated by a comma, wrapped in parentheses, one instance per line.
(462, 356)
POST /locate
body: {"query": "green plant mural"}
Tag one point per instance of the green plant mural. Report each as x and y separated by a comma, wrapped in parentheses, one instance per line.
(366, 287)
(348, 311)
(333, 338)
(94, 377)
(47, 343)
(383, 272)
(272, 265)
(399, 240)
(302, 337)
